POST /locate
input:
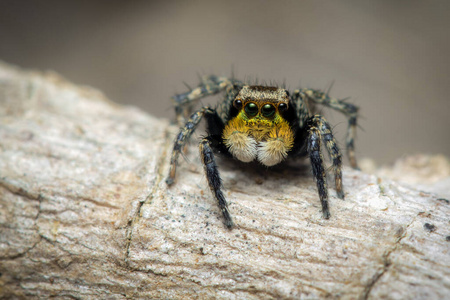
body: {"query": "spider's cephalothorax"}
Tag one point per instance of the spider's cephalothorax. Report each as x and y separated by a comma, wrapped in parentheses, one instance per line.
(264, 124)
(259, 131)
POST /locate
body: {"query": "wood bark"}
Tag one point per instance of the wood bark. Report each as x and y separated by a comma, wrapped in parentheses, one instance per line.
(85, 213)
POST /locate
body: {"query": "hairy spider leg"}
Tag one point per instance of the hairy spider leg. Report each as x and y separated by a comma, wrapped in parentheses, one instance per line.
(333, 150)
(213, 177)
(348, 109)
(316, 158)
(301, 107)
(182, 138)
(210, 85)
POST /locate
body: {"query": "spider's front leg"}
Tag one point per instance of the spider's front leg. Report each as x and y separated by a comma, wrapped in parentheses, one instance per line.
(348, 109)
(319, 130)
(316, 157)
(214, 180)
(183, 137)
(333, 151)
(207, 156)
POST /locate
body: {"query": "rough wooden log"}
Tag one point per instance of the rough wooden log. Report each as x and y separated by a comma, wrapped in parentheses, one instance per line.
(85, 213)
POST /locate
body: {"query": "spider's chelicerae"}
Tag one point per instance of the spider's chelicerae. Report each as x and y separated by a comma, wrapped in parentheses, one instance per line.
(265, 124)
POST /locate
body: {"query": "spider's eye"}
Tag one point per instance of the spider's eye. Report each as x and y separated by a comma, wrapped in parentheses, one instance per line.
(282, 107)
(237, 104)
(268, 110)
(251, 109)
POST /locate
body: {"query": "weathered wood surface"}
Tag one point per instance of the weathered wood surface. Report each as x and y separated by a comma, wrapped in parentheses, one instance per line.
(85, 213)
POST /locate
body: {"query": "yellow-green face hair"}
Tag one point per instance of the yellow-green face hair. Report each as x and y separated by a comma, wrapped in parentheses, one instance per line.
(259, 131)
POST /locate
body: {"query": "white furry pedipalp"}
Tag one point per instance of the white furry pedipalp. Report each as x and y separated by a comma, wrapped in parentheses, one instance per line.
(242, 146)
(272, 152)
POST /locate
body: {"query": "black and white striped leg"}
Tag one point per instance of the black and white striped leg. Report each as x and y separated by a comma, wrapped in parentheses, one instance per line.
(210, 85)
(348, 109)
(214, 181)
(333, 151)
(315, 155)
(182, 137)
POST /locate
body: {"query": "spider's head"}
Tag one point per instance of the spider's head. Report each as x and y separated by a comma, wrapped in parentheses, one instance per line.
(259, 131)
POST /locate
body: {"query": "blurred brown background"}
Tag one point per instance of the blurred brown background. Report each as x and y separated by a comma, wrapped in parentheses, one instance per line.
(390, 57)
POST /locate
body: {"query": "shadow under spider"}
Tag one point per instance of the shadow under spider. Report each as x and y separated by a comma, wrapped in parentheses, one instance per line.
(289, 171)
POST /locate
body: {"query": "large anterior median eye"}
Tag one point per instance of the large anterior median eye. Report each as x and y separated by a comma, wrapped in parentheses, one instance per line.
(268, 110)
(251, 109)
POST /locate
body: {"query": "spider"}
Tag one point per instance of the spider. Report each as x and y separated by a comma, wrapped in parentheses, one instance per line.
(265, 124)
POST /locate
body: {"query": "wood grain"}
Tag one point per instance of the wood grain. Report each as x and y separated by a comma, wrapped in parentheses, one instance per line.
(85, 213)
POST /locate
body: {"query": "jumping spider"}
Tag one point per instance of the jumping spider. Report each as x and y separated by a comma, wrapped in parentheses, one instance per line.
(265, 124)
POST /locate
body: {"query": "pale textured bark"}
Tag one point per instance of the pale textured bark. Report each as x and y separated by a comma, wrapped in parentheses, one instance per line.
(85, 213)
